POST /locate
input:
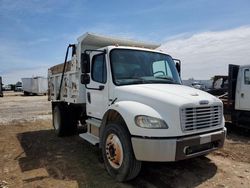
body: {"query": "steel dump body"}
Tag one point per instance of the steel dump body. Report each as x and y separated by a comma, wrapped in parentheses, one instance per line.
(35, 85)
(72, 90)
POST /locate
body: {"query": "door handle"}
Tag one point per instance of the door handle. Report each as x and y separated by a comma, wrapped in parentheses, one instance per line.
(89, 97)
(242, 95)
(101, 87)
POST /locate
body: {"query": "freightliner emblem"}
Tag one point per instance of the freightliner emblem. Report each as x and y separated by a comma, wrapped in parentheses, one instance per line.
(203, 102)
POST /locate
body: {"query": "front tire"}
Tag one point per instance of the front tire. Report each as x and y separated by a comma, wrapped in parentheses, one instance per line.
(118, 155)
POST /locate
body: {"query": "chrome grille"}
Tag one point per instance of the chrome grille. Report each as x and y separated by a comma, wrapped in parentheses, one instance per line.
(200, 117)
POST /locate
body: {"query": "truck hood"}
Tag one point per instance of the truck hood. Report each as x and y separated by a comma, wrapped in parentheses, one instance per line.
(177, 95)
(167, 100)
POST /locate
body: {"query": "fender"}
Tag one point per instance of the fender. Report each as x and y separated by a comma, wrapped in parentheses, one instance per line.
(128, 110)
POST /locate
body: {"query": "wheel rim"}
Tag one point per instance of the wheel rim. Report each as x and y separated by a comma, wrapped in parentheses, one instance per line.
(56, 119)
(114, 151)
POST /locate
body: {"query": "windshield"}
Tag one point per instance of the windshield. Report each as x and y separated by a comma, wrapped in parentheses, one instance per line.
(142, 67)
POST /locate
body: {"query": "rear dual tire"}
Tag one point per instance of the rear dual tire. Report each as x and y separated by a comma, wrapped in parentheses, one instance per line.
(64, 122)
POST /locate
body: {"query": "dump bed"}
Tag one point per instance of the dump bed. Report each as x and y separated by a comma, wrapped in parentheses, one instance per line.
(94, 41)
(71, 89)
(224, 87)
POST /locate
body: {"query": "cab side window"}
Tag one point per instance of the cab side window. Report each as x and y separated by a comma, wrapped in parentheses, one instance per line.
(247, 77)
(99, 70)
(161, 68)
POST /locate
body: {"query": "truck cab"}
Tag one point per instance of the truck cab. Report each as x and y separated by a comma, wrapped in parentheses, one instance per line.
(242, 94)
(238, 100)
(132, 101)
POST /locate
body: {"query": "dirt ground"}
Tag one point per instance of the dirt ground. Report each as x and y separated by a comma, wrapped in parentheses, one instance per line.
(32, 156)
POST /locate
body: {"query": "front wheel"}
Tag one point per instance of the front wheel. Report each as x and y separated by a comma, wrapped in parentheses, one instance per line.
(118, 155)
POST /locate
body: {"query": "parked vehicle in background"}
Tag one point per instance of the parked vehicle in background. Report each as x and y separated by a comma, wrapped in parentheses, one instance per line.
(198, 85)
(18, 87)
(35, 86)
(7, 87)
(130, 98)
(234, 91)
(1, 87)
(219, 86)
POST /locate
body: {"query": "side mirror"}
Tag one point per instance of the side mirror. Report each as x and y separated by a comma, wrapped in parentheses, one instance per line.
(178, 65)
(85, 79)
(85, 63)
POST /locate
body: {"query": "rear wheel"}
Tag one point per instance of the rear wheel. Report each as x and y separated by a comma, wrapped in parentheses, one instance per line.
(118, 156)
(25, 93)
(59, 121)
(63, 121)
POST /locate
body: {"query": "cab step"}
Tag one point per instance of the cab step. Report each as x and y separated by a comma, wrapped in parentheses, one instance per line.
(93, 129)
(90, 138)
(94, 122)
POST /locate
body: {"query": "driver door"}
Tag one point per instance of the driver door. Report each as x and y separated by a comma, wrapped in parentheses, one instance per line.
(245, 90)
(97, 91)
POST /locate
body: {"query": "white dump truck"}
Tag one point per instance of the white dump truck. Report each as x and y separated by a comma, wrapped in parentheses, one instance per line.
(131, 100)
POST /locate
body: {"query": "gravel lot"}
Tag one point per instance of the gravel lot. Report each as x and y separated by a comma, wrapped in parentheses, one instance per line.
(32, 156)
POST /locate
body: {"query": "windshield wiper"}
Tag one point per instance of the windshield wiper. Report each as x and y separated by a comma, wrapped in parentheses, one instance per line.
(166, 78)
(140, 80)
(131, 80)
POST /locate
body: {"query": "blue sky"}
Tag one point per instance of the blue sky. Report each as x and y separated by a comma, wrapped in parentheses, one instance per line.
(34, 33)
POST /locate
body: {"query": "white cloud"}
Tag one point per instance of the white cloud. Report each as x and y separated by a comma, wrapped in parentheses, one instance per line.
(13, 76)
(203, 55)
(207, 54)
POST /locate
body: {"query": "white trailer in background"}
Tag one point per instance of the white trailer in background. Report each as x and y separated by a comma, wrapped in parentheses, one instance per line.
(35, 86)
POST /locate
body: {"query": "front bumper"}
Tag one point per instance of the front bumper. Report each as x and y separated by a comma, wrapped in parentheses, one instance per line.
(174, 149)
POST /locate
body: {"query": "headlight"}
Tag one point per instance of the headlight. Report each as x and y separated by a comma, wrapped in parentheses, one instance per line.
(150, 122)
